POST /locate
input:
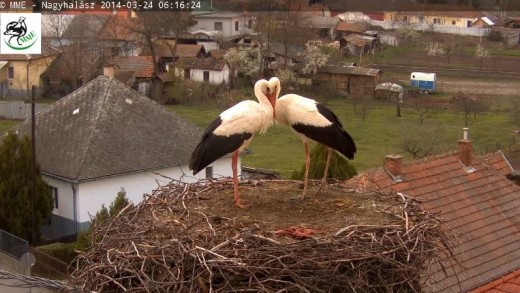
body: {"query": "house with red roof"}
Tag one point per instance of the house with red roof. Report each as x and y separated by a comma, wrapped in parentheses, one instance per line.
(479, 204)
(134, 71)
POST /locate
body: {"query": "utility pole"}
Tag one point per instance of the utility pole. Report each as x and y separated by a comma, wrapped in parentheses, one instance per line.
(33, 165)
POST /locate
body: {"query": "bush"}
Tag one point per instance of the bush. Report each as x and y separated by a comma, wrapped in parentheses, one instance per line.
(339, 168)
(495, 36)
(62, 251)
(120, 202)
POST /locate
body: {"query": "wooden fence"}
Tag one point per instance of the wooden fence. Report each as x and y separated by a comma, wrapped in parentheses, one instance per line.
(18, 110)
(48, 266)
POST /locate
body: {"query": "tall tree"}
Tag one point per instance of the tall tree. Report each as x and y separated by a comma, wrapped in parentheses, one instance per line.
(15, 189)
(152, 26)
(76, 38)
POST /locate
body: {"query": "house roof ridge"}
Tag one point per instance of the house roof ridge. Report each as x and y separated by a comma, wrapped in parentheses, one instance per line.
(96, 121)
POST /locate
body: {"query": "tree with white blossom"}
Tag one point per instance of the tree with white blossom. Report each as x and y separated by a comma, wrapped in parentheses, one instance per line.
(314, 58)
(481, 53)
(248, 59)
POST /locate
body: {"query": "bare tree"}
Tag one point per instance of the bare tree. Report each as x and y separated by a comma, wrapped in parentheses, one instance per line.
(423, 109)
(362, 107)
(423, 141)
(515, 111)
(408, 32)
(469, 105)
(290, 29)
(76, 39)
(152, 26)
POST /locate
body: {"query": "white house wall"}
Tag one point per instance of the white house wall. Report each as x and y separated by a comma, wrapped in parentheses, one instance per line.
(61, 222)
(215, 77)
(228, 25)
(93, 194)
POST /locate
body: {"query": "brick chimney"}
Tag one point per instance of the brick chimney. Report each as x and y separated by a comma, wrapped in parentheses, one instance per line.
(108, 70)
(393, 166)
(465, 151)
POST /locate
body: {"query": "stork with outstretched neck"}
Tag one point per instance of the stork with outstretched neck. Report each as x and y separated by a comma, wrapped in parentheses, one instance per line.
(233, 130)
(312, 121)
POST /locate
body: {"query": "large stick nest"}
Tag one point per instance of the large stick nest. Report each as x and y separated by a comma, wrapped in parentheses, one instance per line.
(173, 242)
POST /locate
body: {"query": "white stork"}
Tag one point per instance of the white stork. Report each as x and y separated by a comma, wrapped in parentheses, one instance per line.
(233, 130)
(311, 120)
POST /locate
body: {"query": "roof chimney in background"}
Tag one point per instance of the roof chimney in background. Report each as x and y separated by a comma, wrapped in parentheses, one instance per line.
(465, 151)
(108, 70)
(393, 165)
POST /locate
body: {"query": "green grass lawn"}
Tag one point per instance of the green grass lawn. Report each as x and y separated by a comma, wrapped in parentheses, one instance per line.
(381, 134)
(6, 124)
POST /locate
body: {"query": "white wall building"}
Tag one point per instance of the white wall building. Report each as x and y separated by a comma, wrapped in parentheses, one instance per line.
(230, 24)
(105, 137)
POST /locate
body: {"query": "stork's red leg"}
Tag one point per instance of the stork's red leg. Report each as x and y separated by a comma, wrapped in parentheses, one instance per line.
(307, 163)
(326, 172)
(234, 163)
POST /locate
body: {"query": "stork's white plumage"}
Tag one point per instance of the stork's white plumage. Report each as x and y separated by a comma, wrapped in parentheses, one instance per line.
(311, 120)
(233, 130)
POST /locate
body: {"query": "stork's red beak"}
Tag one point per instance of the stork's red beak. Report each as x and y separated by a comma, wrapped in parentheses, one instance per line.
(272, 100)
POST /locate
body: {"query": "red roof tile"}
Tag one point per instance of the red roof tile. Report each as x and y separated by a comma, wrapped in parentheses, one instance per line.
(481, 207)
(164, 48)
(507, 284)
(351, 27)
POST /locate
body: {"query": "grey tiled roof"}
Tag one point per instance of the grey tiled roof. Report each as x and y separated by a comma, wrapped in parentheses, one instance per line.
(116, 130)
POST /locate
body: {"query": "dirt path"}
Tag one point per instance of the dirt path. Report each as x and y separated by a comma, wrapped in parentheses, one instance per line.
(468, 81)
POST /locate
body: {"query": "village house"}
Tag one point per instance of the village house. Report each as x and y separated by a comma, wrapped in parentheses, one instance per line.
(105, 137)
(19, 72)
(229, 24)
(164, 52)
(478, 203)
(118, 38)
(344, 29)
(280, 56)
(134, 71)
(209, 70)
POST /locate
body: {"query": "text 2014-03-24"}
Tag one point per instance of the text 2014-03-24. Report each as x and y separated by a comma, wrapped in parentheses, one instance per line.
(152, 5)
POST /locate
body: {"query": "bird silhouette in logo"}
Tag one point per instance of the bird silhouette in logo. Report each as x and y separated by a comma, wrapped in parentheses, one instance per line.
(16, 29)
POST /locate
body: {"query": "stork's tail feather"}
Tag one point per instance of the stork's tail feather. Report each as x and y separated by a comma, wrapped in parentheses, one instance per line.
(348, 146)
(196, 160)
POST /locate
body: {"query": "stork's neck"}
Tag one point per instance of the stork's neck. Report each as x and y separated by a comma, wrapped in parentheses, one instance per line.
(259, 94)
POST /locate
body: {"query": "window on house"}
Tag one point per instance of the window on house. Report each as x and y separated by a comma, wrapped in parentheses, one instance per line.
(247, 41)
(218, 26)
(206, 75)
(436, 21)
(250, 24)
(453, 22)
(186, 73)
(236, 26)
(468, 23)
(405, 18)
(54, 193)
(209, 172)
(10, 72)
